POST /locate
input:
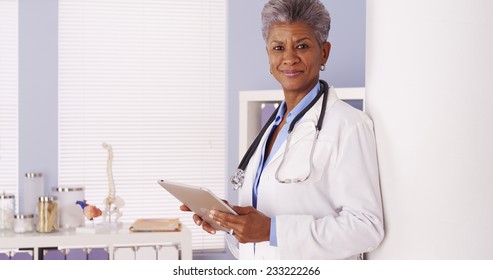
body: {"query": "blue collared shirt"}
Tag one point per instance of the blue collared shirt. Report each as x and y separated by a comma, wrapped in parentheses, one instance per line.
(281, 137)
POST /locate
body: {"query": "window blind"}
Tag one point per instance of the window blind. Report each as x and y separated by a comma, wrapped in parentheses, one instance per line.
(9, 96)
(149, 78)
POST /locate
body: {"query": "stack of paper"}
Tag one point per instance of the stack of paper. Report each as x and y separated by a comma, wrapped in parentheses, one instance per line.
(162, 224)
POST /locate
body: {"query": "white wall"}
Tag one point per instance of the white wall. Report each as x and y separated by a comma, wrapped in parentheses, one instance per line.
(428, 89)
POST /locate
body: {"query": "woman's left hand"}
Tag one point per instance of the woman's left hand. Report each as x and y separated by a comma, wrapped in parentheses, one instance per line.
(249, 225)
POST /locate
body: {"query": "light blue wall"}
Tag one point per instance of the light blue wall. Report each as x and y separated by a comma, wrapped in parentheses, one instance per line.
(248, 65)
(247, 70)
(38, 90)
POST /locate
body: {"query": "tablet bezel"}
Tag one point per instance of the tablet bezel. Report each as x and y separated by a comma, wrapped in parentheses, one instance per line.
(199, 200)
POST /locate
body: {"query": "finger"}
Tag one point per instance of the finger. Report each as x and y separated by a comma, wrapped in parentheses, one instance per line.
(207, 227)
(224, 219)
(227, 203)
(197, 220)
(184, 208)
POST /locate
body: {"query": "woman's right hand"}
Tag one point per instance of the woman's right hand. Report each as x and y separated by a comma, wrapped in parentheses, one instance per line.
(198, 221)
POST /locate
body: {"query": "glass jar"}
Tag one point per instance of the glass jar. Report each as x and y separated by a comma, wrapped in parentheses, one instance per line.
(7, 208)
(47, 214)
(33, 189)
(23, 223)
(70, 215)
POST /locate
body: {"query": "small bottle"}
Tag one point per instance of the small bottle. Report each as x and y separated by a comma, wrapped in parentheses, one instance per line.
(23, 223)
(7, 208)
(47, 214)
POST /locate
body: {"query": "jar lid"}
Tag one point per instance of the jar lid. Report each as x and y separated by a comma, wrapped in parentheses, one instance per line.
(68, 189)
(23, 216)
(46, 198)
(7, 196)
(33, 175)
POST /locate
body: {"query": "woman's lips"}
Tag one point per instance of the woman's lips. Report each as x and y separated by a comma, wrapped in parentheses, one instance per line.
(291, 73)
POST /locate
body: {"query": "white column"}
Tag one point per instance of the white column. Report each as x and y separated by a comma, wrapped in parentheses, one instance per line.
(429, 90)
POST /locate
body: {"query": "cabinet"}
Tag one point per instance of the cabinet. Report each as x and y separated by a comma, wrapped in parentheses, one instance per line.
(69, 244)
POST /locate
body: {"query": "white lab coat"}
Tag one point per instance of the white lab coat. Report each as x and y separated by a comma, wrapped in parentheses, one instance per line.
(337, 212)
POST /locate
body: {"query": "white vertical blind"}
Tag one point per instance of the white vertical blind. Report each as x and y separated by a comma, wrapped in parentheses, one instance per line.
(149, 78)
(8, 96)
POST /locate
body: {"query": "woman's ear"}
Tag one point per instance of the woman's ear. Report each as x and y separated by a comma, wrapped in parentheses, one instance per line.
(325, 51)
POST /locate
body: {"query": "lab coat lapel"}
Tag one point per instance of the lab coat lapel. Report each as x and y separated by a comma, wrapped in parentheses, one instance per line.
(251, 171)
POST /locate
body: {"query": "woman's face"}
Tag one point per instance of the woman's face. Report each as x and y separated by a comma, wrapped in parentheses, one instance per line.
(295, 56)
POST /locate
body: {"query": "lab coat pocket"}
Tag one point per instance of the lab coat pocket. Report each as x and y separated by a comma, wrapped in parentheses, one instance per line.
(322, 156)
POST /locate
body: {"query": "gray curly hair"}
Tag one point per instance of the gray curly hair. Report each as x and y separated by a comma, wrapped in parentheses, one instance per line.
(311, 12)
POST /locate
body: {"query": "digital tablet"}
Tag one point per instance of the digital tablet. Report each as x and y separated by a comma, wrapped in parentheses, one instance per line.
(199, 200)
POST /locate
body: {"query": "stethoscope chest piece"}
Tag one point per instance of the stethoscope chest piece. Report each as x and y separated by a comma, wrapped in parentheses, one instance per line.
(237, 179)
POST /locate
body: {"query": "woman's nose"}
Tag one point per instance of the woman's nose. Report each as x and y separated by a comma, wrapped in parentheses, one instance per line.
(290, 57)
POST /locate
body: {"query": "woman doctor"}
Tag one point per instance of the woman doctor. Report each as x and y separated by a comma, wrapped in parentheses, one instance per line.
(306, 196)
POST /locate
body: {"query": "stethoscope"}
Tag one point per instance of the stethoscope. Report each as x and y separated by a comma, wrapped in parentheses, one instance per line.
(239, 176)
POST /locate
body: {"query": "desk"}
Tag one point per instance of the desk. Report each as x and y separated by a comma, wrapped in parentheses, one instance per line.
(115, 238)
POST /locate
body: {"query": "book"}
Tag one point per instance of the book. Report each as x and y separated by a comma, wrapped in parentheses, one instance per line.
(156, 224)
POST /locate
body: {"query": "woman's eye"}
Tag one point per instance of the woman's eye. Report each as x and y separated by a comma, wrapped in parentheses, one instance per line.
(302, 46)
(278, 48)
